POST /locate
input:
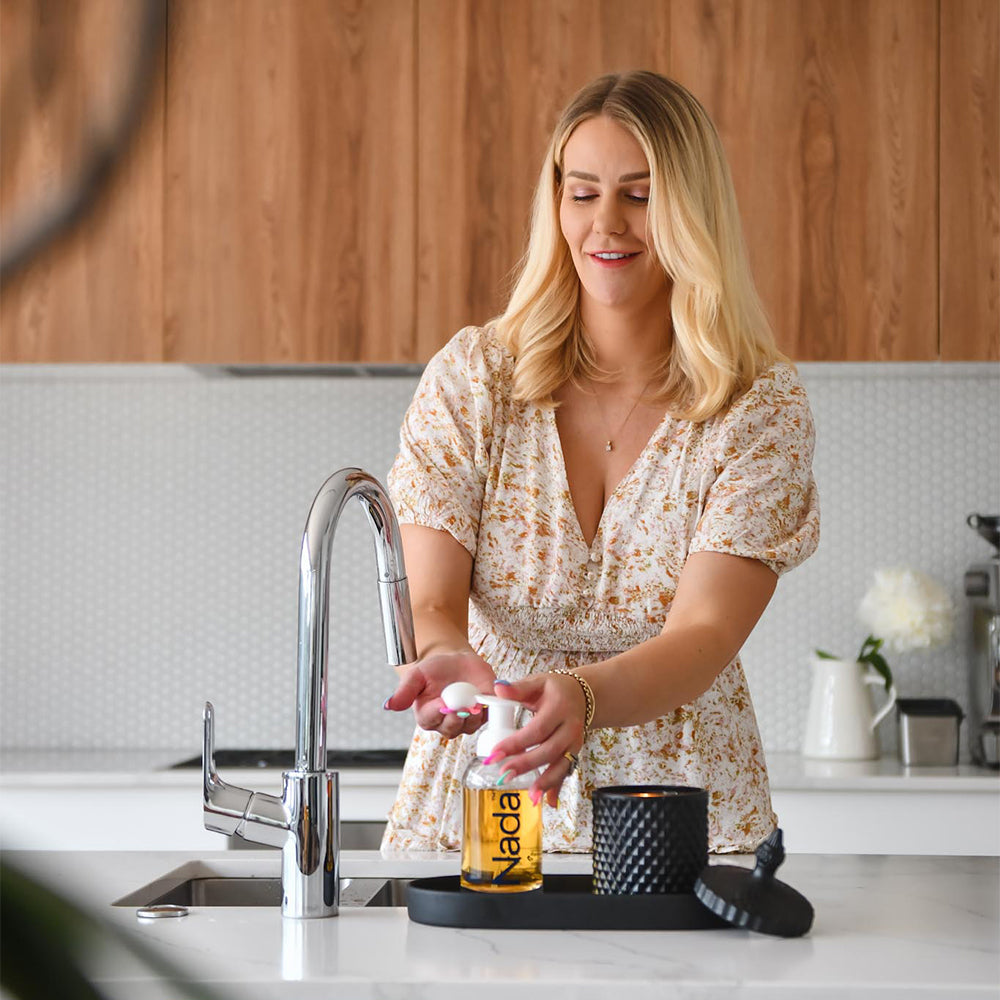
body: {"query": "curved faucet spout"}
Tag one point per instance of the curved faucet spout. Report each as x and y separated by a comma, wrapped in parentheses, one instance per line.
(314, 593)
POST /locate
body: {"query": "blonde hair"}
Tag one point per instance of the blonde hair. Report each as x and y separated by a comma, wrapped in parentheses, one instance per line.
(721, 336)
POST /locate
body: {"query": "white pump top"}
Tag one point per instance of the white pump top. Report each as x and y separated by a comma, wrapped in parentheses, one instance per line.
(500, 722)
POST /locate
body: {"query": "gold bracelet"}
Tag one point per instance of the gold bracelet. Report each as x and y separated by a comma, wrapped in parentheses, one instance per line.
(588, 696)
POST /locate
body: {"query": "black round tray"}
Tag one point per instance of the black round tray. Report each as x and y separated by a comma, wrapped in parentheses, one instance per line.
(564, 902)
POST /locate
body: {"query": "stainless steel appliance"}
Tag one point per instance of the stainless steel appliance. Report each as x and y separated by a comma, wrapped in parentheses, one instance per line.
(982, 587)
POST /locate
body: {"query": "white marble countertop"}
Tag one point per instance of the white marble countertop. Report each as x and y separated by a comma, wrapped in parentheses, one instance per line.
(885, 927)
(793, 772)
(788, 771)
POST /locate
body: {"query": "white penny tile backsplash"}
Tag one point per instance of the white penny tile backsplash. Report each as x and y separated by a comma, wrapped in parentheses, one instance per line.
(151, 519)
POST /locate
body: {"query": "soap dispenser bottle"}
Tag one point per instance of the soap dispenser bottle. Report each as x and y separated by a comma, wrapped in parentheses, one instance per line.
(502, 827)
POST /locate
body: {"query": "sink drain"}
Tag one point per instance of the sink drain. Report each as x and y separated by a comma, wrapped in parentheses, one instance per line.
(161, 910)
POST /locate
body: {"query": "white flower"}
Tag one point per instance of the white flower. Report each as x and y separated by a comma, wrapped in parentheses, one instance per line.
(907, 609)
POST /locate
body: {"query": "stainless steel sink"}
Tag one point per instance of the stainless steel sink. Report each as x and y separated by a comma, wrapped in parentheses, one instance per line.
(210, 891)
(215, 890)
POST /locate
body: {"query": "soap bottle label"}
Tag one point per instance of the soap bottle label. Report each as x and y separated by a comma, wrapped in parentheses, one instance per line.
(502, 846)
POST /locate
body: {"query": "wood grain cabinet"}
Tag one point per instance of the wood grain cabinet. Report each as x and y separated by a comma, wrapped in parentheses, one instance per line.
(350, 180)
(827, 111)
(290, 184)
(969, 140)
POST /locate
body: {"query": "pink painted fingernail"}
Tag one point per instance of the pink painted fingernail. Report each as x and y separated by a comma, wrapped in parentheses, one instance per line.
(385, 704)
(494, 757)
(535, 796)
(445, 710)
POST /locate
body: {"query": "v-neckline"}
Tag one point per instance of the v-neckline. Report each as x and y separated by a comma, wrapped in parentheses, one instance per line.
(629, 473)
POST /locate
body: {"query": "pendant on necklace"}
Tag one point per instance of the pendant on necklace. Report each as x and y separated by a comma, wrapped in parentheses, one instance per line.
(609, 447)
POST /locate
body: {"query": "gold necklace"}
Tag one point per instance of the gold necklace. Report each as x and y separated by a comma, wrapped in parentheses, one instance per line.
(610, 444)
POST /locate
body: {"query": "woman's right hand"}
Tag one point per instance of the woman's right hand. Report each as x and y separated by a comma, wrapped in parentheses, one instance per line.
(421, 686)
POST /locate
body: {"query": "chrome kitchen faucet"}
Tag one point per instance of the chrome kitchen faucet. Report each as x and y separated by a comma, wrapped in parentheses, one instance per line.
(305, 822)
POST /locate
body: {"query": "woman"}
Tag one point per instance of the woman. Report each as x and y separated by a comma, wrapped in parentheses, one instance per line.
(607, 481)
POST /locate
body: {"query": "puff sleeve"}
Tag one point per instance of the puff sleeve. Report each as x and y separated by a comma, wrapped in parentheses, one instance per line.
(438, 478)
(763, 502)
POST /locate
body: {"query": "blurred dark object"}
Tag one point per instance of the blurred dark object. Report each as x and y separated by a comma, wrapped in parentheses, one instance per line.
(41, 942)
(90, 98)
(48, 945)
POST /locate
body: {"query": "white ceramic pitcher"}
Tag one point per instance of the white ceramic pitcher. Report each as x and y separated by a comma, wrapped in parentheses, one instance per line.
(841, 723)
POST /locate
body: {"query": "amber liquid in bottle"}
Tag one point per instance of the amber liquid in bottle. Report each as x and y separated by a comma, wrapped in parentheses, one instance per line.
(502, 842)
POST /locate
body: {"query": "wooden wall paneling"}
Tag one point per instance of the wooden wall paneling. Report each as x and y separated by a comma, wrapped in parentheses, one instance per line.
(970, 180)
(97, 293)
(493, 77)
(827, 114)
(290, 220)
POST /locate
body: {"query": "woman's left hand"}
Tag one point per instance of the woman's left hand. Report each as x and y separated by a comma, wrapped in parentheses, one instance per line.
(554, 734)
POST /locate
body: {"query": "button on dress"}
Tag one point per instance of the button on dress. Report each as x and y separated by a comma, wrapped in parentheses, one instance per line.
(489, 470)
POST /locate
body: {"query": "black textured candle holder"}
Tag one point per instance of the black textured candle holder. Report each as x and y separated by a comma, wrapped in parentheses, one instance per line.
(649, 838)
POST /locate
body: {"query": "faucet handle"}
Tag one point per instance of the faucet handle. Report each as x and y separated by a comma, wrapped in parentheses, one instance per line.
(208, 742)
(254, 816)
(224, 805)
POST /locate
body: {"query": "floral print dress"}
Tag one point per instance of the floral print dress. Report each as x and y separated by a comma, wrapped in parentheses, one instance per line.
(489, 470)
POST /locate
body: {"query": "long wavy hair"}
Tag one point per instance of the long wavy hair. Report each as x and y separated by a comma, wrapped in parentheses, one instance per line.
(721, 336)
